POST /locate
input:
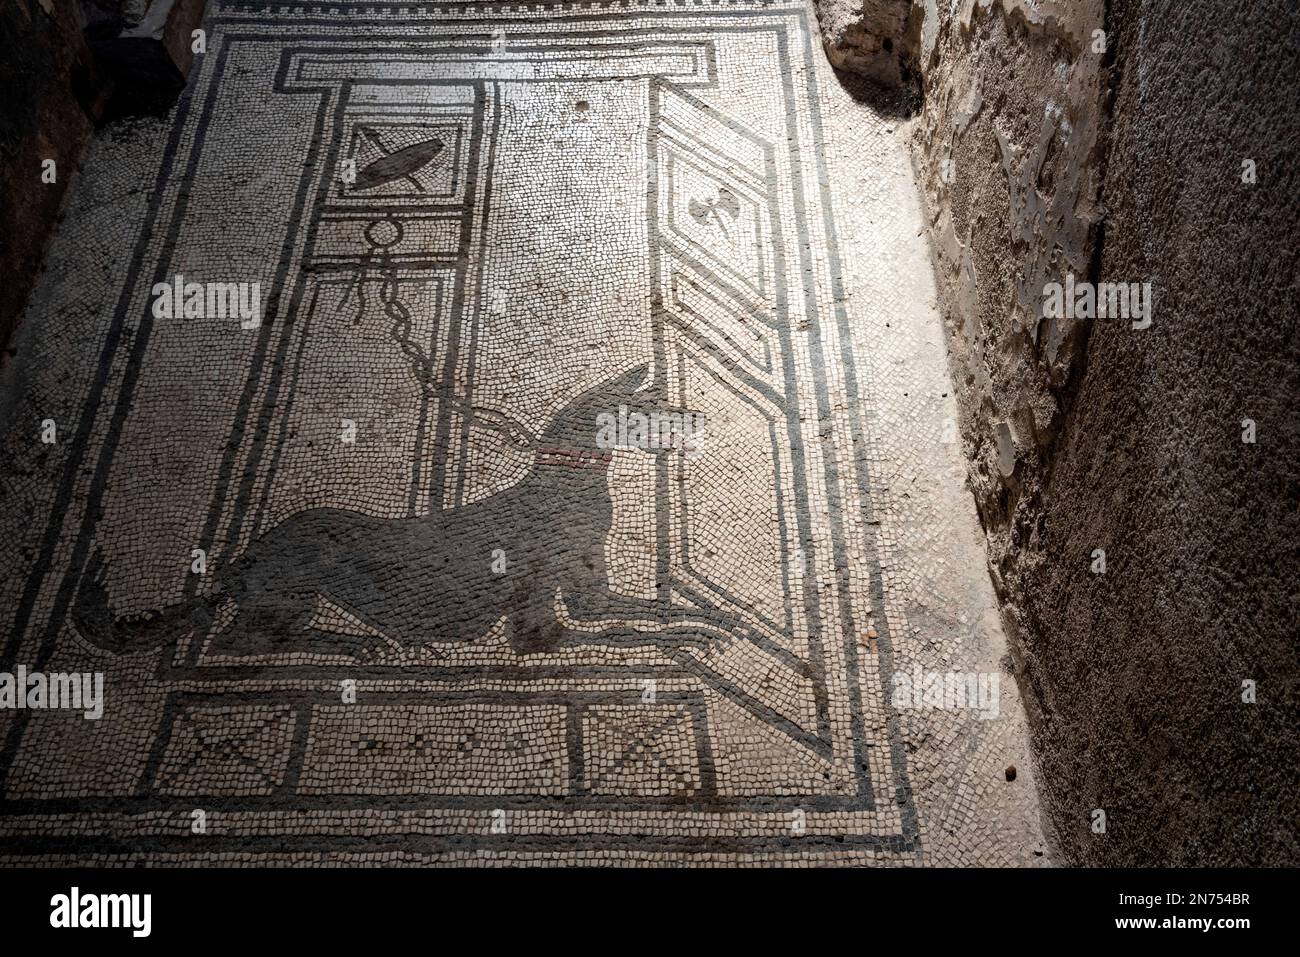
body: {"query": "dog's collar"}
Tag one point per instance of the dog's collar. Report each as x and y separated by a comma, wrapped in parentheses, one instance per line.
(575, 458)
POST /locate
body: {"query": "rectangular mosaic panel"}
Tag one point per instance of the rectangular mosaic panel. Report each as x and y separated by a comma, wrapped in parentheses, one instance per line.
(479, 227)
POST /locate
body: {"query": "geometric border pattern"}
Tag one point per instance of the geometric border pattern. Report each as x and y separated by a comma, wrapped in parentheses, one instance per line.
(745, 824)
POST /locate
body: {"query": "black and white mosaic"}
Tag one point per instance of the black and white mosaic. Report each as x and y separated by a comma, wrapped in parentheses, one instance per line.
(367, 578)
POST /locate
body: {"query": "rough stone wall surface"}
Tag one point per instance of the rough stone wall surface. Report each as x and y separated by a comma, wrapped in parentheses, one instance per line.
(1007, 151)
(1144, 665)
(1044, 153)
(48, 82)
(875, 38)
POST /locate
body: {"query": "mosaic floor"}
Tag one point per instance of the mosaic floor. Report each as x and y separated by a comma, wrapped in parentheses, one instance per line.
(389, 568)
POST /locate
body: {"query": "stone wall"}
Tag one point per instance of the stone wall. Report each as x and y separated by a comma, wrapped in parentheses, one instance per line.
(877, 39)
(1095, 142)
(50, 86)
(66, 65)
(1145, 665)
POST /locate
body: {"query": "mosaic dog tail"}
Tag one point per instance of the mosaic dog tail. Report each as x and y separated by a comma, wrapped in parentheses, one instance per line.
(123, 634)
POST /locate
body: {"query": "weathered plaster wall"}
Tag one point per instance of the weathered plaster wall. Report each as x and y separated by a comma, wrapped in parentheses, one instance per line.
(1008, 153)
(1042, 152)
